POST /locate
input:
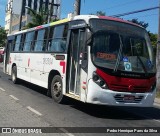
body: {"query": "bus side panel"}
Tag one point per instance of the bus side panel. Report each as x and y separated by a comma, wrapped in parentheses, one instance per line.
(23, 70)
(14, 60)
(57, 63)
(36, 65)
(83, 86)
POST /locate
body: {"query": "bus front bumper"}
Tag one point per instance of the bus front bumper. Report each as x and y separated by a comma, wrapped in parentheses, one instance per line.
(97, 95)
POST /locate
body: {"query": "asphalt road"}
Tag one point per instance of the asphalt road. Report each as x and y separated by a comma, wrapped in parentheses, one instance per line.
(27, 105)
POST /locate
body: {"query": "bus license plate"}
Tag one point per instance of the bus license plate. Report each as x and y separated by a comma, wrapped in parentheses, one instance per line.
(129, 98)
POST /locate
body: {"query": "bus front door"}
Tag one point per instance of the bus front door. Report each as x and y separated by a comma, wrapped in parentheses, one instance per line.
(75, 55)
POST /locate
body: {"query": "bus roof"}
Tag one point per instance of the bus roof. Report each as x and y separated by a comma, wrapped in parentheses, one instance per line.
(88, 17)
(42, 26)
(79, 17)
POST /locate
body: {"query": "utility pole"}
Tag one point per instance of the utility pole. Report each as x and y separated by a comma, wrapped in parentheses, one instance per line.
(158, 54)
(77, 7)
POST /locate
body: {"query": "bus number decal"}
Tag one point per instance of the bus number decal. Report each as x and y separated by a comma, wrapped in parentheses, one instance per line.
(48, 61)
(63, 64)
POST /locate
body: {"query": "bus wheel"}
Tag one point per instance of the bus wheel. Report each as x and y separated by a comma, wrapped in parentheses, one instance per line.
(56, 89)
(14, 75)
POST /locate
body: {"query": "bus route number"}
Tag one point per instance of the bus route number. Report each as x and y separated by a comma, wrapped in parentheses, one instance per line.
(48, 61)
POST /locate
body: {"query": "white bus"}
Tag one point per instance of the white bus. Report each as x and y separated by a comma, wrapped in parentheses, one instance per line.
(94, 59)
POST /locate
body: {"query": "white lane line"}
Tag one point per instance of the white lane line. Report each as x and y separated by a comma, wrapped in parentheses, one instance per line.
(33, 110)
(2, 89)
(66, 132)
(13, 97)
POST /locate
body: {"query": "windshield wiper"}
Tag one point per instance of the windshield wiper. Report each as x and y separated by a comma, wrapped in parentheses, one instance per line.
(142, 64)
(119, 55)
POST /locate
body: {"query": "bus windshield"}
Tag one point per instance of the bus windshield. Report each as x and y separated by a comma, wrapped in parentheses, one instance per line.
(121, 46)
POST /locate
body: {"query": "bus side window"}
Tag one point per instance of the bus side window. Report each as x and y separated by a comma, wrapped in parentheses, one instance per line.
(45, 39)
(17, 43)
(50, 38)
(28, 41)
(58, 41)
(22, 42)
(39, 43)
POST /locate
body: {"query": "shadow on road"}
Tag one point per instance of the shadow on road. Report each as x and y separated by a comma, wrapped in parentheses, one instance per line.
(113, 112)
(105, 112)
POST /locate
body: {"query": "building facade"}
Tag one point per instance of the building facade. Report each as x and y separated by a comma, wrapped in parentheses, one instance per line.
(17, 11)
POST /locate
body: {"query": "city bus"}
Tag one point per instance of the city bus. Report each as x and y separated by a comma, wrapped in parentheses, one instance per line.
(94, 59)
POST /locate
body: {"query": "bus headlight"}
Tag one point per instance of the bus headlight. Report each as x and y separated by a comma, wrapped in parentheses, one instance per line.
(98, 80)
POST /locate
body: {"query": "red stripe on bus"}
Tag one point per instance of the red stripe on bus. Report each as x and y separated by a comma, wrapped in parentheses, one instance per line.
(63, 64)
(84, 82)
(28, 62)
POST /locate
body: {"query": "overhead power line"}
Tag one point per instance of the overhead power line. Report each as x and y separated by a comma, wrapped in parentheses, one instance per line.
(133, 12)
(144, 16)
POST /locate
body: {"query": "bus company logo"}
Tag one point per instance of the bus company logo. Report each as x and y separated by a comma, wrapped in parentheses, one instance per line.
(6, 130)
(130, 88)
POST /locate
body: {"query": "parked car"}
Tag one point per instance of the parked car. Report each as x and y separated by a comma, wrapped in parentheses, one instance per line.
(1, 54)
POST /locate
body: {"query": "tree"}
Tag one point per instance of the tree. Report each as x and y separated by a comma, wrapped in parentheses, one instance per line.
(38, 19)
(153, 37)
(3, 37)
(141, 23)
(99, 13)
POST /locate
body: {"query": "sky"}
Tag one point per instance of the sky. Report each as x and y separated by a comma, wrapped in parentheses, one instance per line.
(110, 7)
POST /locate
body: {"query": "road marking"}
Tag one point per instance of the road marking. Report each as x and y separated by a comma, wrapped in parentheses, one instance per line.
(15, 98)
(33, 110)
(2, 89)
(66, 132)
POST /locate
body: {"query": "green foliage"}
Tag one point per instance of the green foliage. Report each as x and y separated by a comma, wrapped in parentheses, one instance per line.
(153, 37)
(3, 37)
(38, 19)
(141, 23)
(99, 13)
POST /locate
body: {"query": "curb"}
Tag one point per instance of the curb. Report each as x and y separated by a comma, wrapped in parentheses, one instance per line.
(157, 102)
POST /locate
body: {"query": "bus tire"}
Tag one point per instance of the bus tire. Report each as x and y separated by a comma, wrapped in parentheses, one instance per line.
(14, 75)
(57, 89)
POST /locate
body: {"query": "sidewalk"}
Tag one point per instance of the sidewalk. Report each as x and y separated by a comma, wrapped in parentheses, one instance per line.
(157, 101)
